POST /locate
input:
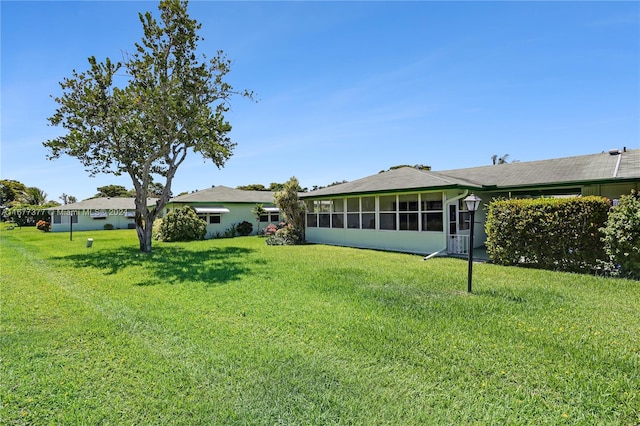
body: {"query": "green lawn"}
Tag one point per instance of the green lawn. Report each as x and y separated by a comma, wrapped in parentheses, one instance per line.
(236, 332)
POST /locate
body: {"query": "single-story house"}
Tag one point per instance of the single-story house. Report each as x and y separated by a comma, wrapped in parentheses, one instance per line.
(222, 207)
(95, 213)
(421, 211)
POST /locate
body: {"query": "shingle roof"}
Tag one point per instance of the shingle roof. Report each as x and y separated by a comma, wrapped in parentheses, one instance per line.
(580, 169)
(405, 178)
(585, 168)
(223, 194)
(105, 203)
(629, 165)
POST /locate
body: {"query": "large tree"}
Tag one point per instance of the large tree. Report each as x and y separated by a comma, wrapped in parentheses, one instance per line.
(169, 101)
(11, 191)
(112, 191)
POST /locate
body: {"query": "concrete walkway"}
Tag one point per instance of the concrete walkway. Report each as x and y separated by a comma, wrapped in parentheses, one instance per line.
(479, 255)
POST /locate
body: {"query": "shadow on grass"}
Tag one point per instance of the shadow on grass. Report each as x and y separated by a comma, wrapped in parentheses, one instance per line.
(172, 265)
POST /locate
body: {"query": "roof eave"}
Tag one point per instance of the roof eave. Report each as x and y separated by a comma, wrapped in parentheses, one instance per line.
(390, 191)
(494, 188)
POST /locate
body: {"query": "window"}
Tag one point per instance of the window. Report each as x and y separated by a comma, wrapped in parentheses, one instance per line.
(388, 221)
(324, 215)
(353, 213)
(64, 218)
(388, 212)
(368, 205)
(431, 201)
(403, 212)
(337, 215)
(464, 221)
(431, 207)
(270, 217)
(432, 222)
(312, 220)
(324, 220)
(210, 218)
(408, 207)
(99, 215)
(388, 203)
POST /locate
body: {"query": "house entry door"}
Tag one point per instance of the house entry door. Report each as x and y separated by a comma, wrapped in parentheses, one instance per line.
(456, 243)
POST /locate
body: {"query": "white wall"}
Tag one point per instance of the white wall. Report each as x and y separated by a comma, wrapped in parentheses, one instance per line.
(238, 213)
(88, 223)
(404, 241)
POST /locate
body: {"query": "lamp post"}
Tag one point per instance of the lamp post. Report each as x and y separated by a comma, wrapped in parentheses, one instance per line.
(473, 202)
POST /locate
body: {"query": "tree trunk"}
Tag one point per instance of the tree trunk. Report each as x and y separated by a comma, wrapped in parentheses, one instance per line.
(144, 236)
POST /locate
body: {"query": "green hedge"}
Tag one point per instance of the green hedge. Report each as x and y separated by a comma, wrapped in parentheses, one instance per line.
(561, 234)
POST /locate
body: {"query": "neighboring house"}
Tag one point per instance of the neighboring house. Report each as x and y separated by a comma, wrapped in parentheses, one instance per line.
(222, 207)
(421, 211)
(94, 214)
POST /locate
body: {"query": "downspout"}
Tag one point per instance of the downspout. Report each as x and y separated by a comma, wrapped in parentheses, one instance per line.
(434, 254)
(446, 213)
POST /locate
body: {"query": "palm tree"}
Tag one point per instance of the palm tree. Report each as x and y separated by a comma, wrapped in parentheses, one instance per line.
(499, 160)
(35, 196)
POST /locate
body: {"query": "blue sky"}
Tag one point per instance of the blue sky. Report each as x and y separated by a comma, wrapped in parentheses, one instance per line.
(347, 89)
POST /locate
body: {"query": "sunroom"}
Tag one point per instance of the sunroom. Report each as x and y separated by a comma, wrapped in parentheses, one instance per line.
(417, 222)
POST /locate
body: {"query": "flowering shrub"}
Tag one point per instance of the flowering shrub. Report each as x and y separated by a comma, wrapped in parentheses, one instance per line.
(43, 225)
(284, 236)
(622, 236)
(270, 229)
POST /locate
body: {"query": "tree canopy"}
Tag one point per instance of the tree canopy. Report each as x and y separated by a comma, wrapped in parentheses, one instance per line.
(141, 116)
(68, 199)
(415, 166)
(113, 191)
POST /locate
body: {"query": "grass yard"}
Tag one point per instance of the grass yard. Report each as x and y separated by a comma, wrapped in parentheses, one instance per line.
(233, 331)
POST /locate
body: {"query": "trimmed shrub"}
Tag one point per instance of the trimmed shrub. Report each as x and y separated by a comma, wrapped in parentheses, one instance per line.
(43, 225)
(108, 226)
(181, 224)
(622, 236)
(156, 232)
(244, 228)
(561, 234)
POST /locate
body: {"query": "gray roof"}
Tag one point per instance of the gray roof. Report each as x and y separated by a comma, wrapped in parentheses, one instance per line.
(405, 178)
(568, 170)
(603, 167)
(105, 203)
(223, 194)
